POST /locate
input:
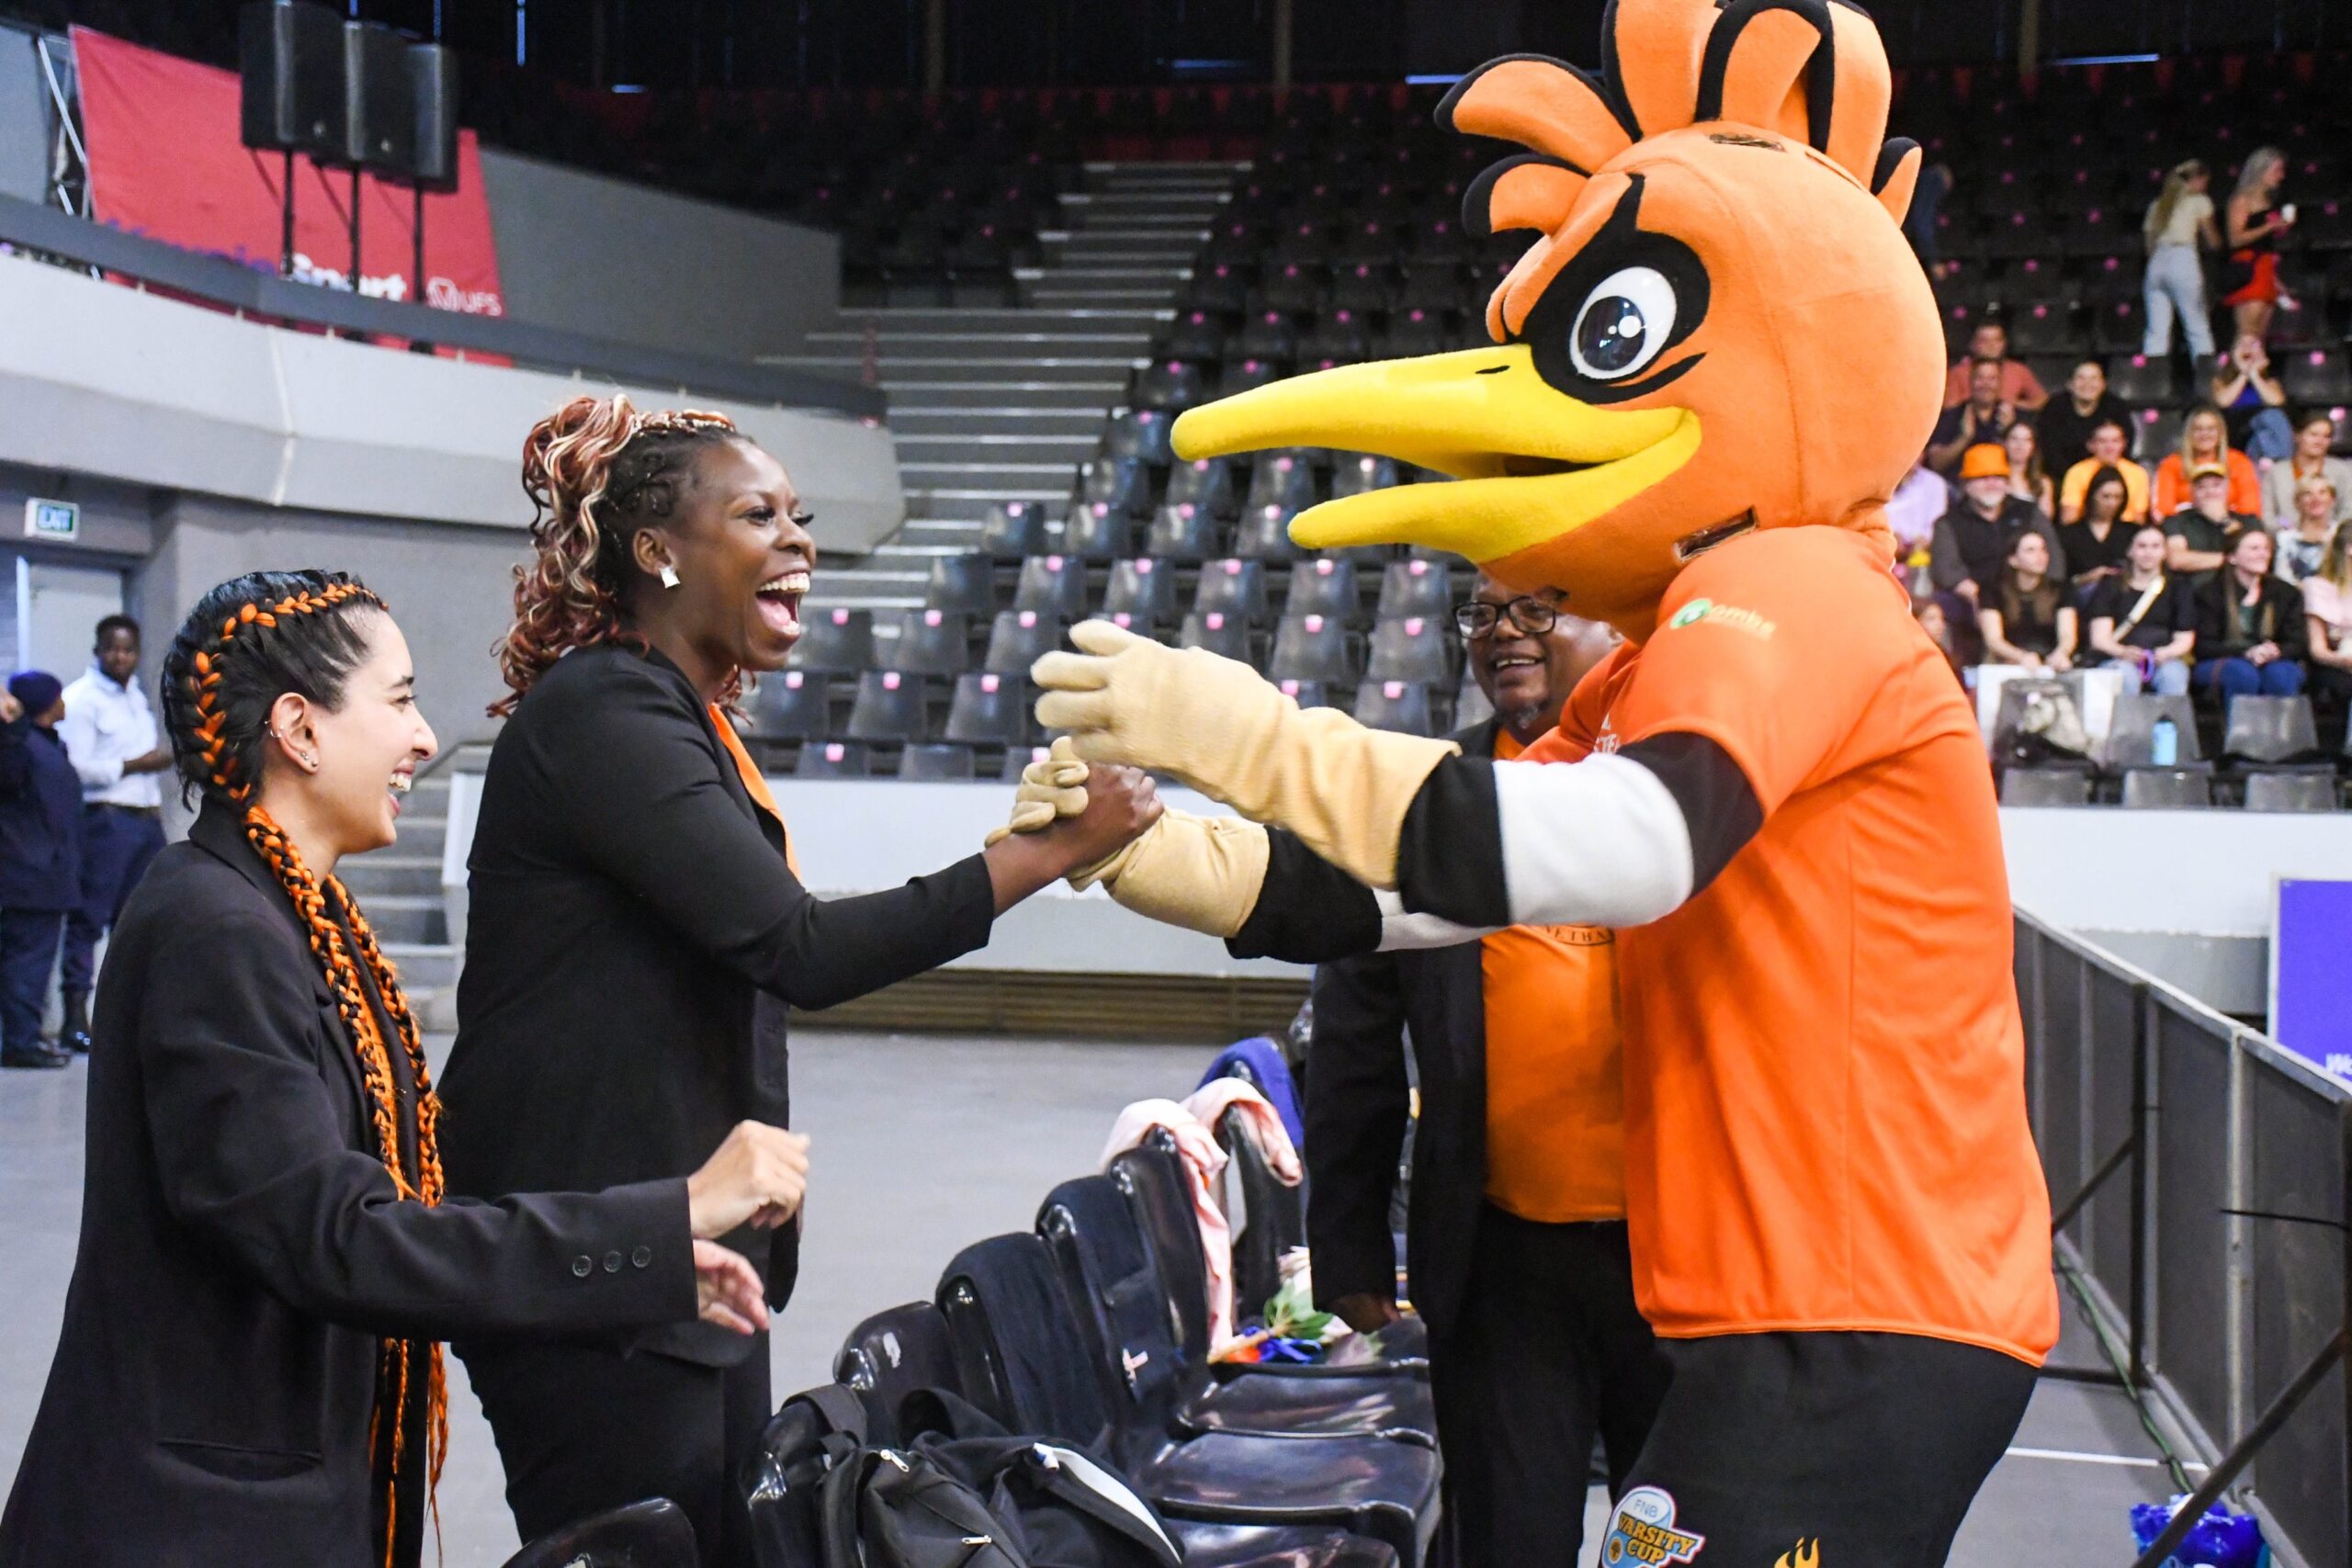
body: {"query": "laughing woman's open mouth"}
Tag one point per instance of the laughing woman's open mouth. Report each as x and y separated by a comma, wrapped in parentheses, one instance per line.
(780, 598)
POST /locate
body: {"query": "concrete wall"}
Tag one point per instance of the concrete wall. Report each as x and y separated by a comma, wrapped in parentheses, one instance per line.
(451, 588)
(609, 259)
(25, 117)
(132, 387)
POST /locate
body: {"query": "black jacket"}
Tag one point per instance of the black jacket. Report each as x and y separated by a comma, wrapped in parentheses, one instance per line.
(634, 939)
(1357, 1108)
(2281, 614)
(242, 1249)
(41, 820)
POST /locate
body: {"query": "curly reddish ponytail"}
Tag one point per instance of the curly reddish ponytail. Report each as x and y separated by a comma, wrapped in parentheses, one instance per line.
(596, 471)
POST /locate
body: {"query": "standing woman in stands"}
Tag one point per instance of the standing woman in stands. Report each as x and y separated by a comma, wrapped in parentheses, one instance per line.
(637, 929)
(248, 1372)
(2255, 221)
(2178, 229)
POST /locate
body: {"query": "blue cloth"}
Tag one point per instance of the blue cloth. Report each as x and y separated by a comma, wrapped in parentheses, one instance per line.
(1258, 1061)
(40, 820)
(28, 952)
(116, 849)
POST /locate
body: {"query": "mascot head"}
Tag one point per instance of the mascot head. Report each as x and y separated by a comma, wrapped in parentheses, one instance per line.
(1721, 326)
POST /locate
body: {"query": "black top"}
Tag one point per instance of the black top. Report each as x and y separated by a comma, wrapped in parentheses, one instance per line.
(1968, 547)
(2173, 611)
(2025, 624)
(2065, 435)
(1357, 1108)
(633, 940)
(1954, 420)
(2227, 627)
(40, 820)
(2086, 551)
(242, 1249)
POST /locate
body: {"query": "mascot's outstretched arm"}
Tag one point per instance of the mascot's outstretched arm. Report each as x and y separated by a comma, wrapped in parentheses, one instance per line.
(1393, 841)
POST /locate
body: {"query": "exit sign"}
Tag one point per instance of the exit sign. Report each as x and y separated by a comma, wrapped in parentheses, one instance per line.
(51, 519)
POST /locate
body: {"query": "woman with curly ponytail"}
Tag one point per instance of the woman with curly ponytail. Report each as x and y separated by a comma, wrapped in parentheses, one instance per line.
(249, 1370)
(637, 929)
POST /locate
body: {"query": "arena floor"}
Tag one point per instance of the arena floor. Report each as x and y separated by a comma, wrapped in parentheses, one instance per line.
(922, 1145)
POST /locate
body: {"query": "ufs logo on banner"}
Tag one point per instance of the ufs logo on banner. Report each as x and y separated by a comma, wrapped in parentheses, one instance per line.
(1641, 1530)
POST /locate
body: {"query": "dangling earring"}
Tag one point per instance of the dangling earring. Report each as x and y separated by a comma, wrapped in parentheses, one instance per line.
(669, 575)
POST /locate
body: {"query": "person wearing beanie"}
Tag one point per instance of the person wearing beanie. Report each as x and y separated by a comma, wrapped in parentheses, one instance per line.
(1972, 537)
(40, 860)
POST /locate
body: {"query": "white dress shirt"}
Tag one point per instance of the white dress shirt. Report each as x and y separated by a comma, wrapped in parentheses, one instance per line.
(105, 726)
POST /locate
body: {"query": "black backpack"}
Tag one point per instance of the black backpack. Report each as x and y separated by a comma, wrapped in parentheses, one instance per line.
(1061, 1507)
(889, 1508)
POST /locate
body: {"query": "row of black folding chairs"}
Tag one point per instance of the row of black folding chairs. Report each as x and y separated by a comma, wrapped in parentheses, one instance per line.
(1092, 1331)
(1136, 473)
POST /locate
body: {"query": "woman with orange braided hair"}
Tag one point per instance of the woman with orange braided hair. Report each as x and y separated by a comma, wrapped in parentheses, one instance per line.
(247, 1371)
(638, 929)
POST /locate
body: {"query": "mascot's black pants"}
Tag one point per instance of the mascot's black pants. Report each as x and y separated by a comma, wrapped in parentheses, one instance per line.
(1817, 1451)
(582, 1429)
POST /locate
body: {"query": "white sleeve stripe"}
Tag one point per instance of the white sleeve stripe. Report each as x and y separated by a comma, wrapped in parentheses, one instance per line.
(1599, 843)
(1403, 932)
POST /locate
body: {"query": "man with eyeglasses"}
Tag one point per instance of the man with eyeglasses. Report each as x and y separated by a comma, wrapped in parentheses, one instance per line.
(1515, 1229)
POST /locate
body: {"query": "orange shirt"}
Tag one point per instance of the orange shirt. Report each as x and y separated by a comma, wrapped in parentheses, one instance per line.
(1555, 1089)
(2172, 486)
(1825, 1070)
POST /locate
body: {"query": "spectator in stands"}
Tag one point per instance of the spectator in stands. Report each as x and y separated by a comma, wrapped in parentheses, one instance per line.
(2314, 436)
(2254, 224)
(2204, 442)
(2028, 480)
(2178, 222)
(2028, 617)
(2108, 443)
(109, 732)
(2327, 620)
(1929, 614)
(2198, 541)
(2096, 545)
(2251, 635)
(1515, 1225)
(40, 860)
(2064, 425)
(1911, 513)
(248, 1372)
(1983, 416)
(2016, 384)
(2302, 547)
(2143, 621)
(2256, 403)
(638, 928)
(1973, 538)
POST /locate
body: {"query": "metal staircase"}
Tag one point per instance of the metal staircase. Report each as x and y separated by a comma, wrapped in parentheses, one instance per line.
(990, 405)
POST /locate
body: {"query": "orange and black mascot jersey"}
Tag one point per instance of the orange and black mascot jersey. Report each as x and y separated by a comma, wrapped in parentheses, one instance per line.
(1710, 368)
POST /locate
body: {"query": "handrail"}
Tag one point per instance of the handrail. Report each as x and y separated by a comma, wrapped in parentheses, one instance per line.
(32, 226)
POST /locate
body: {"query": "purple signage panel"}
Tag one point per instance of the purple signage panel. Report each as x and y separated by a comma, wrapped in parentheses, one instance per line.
(2311, 972)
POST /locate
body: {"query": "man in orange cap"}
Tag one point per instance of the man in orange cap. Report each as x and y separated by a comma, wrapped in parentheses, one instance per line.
(1972, 539)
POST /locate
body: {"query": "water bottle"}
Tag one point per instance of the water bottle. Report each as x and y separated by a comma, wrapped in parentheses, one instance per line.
(2164, 743)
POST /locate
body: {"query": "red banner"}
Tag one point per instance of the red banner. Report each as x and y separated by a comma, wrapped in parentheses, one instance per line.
(166, 161)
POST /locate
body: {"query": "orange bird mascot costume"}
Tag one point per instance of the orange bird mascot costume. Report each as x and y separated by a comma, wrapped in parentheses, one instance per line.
(1711, 369)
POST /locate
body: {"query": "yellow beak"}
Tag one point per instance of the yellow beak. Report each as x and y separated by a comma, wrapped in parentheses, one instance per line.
(1532, 463)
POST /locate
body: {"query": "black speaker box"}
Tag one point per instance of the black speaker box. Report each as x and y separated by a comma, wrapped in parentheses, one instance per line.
(433, 76)
(291, 63)
(379, 105)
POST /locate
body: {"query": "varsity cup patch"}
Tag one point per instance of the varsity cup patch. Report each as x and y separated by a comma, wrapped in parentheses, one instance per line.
(1641, 1530)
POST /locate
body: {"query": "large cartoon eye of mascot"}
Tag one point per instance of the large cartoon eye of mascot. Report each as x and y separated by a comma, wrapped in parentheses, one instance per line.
(1721, 323)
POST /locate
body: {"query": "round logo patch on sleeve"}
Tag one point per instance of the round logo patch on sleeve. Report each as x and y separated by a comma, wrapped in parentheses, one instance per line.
(1641, 1530)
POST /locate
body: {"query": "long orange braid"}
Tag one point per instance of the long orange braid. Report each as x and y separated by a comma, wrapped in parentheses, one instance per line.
(312, 901)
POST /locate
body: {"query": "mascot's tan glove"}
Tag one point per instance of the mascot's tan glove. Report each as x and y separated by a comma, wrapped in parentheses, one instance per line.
(1217, 725)
(1201, 872)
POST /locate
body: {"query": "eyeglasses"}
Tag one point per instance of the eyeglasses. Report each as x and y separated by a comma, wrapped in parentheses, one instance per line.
(1529, 613)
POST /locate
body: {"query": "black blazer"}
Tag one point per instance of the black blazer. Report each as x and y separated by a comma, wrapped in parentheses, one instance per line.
(243, 1250)
(634, 940)
(41, 820)
(1357, 1107)
(2218, 635)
